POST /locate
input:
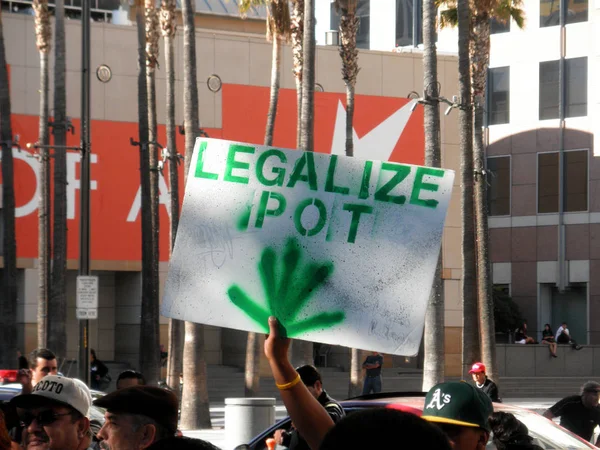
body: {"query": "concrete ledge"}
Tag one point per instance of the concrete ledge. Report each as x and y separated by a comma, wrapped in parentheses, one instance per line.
(519, 360)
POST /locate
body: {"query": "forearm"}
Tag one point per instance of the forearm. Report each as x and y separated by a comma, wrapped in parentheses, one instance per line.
(310, 418)
(548, 414)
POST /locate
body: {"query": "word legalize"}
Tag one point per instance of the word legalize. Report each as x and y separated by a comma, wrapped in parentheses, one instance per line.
(271, 168)
(340, 250)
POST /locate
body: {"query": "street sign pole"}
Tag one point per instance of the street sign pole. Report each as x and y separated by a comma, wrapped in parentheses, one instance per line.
(84, 205)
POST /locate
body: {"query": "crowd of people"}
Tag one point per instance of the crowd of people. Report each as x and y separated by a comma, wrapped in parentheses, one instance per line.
(563, 336)
(53, 412)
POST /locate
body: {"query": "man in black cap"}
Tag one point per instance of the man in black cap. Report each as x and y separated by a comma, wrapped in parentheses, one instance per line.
(311, 378)
(579, 413)
(462, 412)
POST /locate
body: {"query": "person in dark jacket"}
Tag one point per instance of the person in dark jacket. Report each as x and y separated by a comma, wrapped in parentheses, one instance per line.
(99, 372)
(483, 382)
(311, 378)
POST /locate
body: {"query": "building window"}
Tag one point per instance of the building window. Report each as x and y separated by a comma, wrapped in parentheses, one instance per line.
(404, 22)
(575, 90)
(575, 185)
(364, 28)
(576, 11)
(499, 185)
(576, 180)
(499, 88)
(497, 27)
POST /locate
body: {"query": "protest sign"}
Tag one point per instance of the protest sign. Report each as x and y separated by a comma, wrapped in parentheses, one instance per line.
(341, 250)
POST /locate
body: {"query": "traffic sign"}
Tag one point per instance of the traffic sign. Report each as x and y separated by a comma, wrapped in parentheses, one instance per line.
(87, 297)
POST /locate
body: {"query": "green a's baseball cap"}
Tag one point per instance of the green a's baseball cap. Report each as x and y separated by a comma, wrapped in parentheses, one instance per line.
(458, 403)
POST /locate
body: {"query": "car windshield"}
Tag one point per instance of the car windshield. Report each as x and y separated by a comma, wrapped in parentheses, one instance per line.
(548, 435)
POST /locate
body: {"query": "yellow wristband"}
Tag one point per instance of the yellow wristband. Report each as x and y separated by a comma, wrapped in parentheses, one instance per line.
(291, 384)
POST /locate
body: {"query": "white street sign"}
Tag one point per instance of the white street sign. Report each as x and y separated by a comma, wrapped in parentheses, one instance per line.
(87, 297)
(341, 250)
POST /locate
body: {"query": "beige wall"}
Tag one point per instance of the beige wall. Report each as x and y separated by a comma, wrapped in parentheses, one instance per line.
(241, 59)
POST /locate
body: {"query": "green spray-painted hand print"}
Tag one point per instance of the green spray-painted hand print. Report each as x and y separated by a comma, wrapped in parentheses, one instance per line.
(288, 287)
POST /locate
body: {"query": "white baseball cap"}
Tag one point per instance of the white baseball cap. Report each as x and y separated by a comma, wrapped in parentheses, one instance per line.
(54, 389)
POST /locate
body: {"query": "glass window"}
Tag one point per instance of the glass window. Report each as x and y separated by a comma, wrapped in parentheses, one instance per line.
(549, 90)
(576, 11)
(575, 90)
(499, 88)
(547, 182)
(499, 27)
(404, 22)
(499, 186)
(576, 180)
(363, 13)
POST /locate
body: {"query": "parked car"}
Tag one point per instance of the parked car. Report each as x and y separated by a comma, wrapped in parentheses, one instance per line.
(548, 434)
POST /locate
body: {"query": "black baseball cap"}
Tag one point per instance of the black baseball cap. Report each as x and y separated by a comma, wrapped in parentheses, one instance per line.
(458, 403)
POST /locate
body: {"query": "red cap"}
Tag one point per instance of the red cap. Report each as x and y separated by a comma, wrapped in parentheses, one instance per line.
(477, 368)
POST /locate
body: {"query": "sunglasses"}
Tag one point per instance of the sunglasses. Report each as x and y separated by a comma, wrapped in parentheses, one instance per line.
(44, 418)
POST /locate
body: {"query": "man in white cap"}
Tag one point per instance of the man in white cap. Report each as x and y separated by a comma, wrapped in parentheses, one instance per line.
(55, 414)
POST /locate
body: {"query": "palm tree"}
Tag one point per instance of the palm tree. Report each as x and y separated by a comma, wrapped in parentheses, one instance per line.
(308, 79)
(8, 304)
(43, 36)
(57, 305)
(148, 353)
(195, 411)
(297, 37)
(349, 53)
(278, 31)
(479, 56)
(168, 24)
(433, 367)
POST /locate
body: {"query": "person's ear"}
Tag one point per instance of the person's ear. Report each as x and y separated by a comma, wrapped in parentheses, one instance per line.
(83, 425)
(318, 385)
(484, 437)
(149, 433)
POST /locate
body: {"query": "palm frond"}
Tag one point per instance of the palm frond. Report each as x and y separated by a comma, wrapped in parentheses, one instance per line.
(518, 15)
(245, 5)
(449, 18)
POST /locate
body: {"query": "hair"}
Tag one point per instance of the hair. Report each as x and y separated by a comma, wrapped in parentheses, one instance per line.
(4, 436)
(140, 420)
(183, 443)
(377, 427)
(510, 433)
(43, 353)
(93, 353)
(590, 386)
(130, 374)
(309, 375)
(548, 325)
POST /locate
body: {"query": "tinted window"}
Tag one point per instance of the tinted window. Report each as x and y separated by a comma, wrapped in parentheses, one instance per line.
(549, 90)
(576, 181)
(576, 11)
(547, 182)
(404, 22)
(499, 27)
(499, 88)
(499, 186)
(575, 88)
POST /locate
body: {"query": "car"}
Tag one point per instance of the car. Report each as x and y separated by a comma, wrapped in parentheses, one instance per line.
(548, 434)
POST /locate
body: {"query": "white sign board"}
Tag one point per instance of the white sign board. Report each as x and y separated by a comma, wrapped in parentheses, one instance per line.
(341, 250)
(87, 297)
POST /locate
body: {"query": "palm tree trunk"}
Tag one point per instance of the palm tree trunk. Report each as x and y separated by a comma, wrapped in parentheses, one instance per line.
(148, 356)
(150, 329)
(275, 75)
(479, 69)
(470, 337)
(297, 33)
(433, 366)
(8, 304)
(356, 378)
(176, 329)
(195, 411)
(57, 306)
(194, 403)
(43, 38)
(308, 78)
(252, 372)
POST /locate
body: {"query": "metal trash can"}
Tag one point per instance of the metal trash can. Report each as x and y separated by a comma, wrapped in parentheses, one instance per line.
(245, 418)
